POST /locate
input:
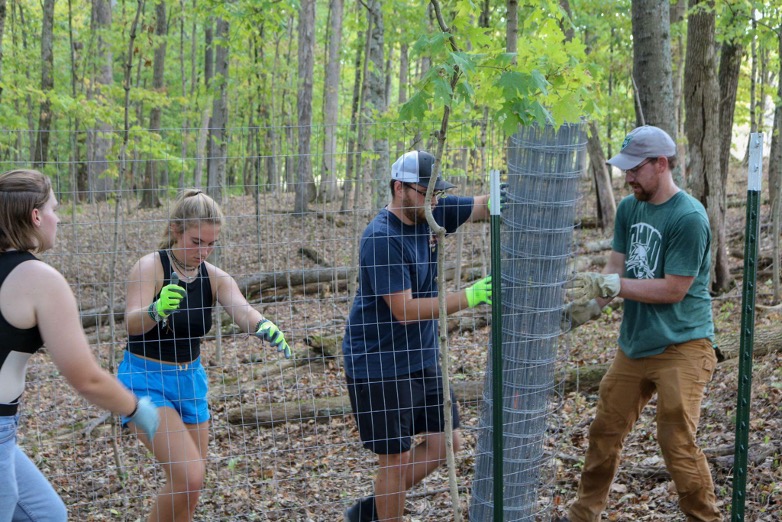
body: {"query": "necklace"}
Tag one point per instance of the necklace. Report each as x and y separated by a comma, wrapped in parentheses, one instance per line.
(182, 268)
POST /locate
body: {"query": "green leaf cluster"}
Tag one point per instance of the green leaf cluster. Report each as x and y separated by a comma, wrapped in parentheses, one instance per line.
(547, 80)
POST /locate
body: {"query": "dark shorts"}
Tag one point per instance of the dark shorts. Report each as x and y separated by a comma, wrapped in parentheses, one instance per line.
(389, 412)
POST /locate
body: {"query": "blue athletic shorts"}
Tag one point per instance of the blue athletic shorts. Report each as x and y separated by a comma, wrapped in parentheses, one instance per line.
(182, 387)
(390, 411)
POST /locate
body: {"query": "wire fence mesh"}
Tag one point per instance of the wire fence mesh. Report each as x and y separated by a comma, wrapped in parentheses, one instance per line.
(282, 443)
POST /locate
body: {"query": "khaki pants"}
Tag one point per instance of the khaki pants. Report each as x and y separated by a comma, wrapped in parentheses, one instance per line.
(679, 376)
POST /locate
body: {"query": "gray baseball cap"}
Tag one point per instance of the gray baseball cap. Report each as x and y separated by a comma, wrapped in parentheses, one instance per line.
(643, 142)
(416, 167)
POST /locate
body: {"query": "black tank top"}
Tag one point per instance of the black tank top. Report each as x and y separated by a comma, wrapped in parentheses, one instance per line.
(179, 341)
(13, 339)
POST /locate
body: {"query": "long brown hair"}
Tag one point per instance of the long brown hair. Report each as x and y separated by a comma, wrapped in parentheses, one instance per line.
(21, 191)
(191, 206)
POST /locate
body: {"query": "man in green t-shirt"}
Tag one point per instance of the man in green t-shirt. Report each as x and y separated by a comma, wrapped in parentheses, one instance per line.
(659, 264)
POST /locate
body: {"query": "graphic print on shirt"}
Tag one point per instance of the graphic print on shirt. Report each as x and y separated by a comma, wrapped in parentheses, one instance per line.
(644, 254)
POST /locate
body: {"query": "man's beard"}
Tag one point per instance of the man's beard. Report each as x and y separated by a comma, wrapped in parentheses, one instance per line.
(642, 194)
(413, 213)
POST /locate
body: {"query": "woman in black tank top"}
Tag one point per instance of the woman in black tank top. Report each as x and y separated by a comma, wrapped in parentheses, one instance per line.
(37, 307)
(170, 296)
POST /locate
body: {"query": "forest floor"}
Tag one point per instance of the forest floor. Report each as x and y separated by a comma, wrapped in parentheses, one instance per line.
(310, 471)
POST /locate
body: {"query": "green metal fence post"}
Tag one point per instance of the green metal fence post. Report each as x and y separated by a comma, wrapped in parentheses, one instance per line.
(496, 344)
(747, 333)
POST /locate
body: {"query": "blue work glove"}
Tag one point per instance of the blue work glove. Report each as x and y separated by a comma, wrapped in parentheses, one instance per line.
(478, 293)
(146, 417)
(268, 331)
(586, 286)
(503, 197)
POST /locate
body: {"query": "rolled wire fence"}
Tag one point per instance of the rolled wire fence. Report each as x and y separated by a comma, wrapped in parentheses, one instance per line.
(545, 166)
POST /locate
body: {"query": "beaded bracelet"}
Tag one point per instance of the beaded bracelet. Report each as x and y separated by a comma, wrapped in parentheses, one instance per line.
(153, 313)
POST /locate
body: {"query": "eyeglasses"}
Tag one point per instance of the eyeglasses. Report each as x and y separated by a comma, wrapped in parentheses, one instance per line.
(635, 169)
(438, 194)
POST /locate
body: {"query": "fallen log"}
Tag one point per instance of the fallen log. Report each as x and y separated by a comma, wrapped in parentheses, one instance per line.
(256, 284)
(267, 287)
(314, 256)
(584, 379)
(253, 285)
(720, 456)
(323, 409)
(91, 317)
(756, 455)
(767, 340)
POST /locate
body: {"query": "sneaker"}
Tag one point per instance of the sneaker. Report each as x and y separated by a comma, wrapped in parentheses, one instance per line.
(362, 511)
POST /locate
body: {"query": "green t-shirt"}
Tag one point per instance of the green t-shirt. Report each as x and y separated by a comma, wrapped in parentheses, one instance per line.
(671, 238)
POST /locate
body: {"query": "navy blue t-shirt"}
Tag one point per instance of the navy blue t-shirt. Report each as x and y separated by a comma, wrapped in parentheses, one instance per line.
(394, 257)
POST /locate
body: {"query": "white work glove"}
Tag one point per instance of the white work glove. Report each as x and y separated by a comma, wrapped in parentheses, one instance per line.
(146, 417)
(589, 285)
(576, 314)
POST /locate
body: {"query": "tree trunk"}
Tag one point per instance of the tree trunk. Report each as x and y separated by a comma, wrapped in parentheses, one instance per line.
(265, 109)
(404, 67)
(149, 196)
(288, 139)
(753, 81)
(775, 168)
(41, 144)
(76, 162)
(678, 15)
(186, 131)
(328, 184)
(376, 104)
(25, 50)
(512, 27)
(731, 54)
(202, 148)
(764, 78)
(652, 72)
(99, 138)
(360, 166)
(606, 203)
(702, 99)
(2, 31)
(350, 168)
(566, 23)
(203, 136)
(305, 186)
(728, 77)
(216, 144)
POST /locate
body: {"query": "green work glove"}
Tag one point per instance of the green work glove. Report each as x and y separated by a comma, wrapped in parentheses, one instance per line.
(268, 331)
(171, 296)
(503, 197)
(588, 285)
(576, 314)
(479, 293)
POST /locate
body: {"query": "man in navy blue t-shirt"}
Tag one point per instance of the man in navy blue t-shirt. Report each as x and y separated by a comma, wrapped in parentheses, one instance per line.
(391, 338)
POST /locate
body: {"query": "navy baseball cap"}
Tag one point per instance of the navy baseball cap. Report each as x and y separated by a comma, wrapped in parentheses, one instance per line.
(416, 167)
